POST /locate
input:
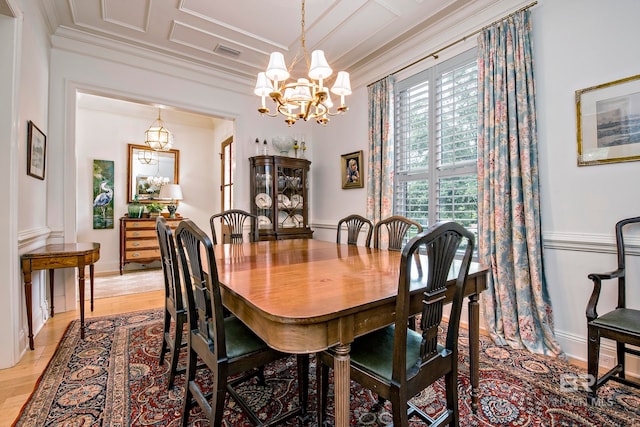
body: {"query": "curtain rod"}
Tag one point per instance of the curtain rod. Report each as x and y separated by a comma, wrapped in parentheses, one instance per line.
(435, 53)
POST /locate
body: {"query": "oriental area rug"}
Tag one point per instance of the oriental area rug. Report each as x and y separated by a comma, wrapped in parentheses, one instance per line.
(112, 378)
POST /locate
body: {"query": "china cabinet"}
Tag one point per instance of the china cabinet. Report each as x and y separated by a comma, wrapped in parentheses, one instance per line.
(280, 197)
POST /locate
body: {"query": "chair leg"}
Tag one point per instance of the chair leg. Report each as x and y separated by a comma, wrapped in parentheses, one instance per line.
(322, 387)
(303, 384)
(379, 405)
(620, 352)
(451, 392)
(399, 408)
(260, 376)
(190, 376)
(593, 359)
(175, 353)
(165, 330)
(218, 398)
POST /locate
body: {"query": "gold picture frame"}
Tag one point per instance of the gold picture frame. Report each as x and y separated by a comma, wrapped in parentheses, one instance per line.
(608, 122)
(352, 168)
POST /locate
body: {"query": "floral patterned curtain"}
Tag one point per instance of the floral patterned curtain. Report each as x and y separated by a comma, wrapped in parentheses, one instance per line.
(380, 165)
(516, 303)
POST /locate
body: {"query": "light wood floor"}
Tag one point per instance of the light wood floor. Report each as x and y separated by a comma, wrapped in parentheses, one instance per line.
(17, 383)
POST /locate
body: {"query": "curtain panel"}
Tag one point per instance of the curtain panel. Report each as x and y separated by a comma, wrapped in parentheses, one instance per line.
(380, 165)
(516, 304)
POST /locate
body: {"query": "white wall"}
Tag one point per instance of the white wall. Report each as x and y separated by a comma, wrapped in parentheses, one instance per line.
(579, 44)
(24, 50)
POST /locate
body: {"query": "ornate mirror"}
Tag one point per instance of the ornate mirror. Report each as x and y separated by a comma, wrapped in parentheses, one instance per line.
(148, 170)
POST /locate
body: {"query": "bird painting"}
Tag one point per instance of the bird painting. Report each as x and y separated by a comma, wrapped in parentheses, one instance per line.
(103, 198)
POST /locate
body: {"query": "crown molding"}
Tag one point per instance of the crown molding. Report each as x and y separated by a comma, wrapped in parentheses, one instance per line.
(99, 47)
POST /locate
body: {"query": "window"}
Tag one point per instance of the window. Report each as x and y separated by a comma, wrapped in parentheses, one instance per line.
(226, 186)
(435, 144)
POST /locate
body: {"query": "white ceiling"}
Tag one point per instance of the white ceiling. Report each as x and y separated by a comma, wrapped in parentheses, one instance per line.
(208, 32)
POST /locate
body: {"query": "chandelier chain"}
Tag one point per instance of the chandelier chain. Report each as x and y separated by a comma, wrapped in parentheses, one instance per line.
(303, 36)
(303, 44)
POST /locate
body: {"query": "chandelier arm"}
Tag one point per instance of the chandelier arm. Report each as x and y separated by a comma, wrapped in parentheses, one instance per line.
(340, 110)
(266, 113)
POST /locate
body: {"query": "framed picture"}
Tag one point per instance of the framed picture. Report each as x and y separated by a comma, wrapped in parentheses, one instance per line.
(352, 169)
(608, 122)
(103, 176)
(36, 151)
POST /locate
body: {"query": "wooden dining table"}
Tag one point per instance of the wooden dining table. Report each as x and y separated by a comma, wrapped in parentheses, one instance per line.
(304, 296)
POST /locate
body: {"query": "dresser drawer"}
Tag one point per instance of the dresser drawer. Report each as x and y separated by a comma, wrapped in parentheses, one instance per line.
(141, 244)
(136, 234)
(142, 254)
(141, 224)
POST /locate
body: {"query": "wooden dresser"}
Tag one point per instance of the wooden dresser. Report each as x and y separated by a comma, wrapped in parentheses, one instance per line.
(139, 241)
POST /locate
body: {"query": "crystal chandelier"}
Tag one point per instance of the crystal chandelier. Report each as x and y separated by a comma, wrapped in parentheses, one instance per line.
(302, 99)
(158, 137)
(157, 181)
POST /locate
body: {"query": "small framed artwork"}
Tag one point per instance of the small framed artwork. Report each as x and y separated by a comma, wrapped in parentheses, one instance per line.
(352, 168)
(608, 122)
(36, 151)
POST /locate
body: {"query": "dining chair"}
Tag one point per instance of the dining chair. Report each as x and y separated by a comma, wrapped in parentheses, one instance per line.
(397, 227)
(233, 220)
(224, 344)
(174, 309)
(397, 362)
(622, 324)
(354, 224)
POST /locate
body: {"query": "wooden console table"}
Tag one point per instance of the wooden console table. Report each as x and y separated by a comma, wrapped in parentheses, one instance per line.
(50, 257)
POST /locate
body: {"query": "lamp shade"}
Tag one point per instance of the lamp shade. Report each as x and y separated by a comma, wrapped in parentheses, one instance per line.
(319, 66)
(170, 191)
(302, 92)
(342, 86)
(277, 70)
(263, 87)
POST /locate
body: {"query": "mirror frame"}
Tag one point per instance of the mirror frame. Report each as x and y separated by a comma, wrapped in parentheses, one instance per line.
(133, 162)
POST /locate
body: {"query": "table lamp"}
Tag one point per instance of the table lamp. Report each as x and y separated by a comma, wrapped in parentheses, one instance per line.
(173, 192)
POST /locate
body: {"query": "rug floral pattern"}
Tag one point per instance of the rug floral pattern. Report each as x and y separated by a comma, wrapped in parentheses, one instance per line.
(113, 378)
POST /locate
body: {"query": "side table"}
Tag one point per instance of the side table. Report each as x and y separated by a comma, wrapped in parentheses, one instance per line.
(50, 257)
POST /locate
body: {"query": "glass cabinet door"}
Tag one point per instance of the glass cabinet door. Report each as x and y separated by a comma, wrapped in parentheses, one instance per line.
(263, 196)
(290, 197)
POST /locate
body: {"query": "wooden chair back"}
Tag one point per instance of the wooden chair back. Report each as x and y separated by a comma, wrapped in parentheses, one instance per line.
(397, 227)
(233, 221)
(354, 224)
